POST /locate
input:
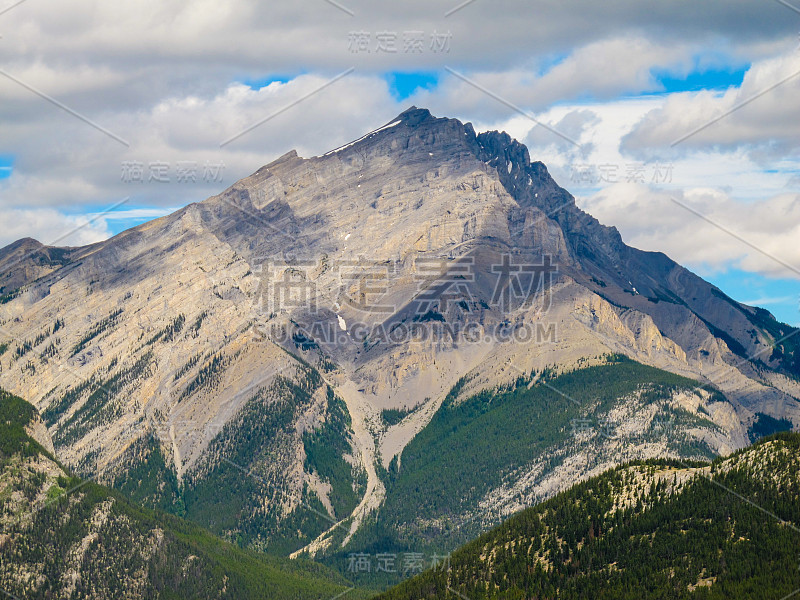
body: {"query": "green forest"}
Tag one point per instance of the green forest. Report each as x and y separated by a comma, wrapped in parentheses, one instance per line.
(128, 550)
(472, 444)
(642, 531)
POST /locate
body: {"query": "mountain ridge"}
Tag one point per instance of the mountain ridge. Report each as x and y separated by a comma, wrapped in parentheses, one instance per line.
(512, 161)
(654, 529)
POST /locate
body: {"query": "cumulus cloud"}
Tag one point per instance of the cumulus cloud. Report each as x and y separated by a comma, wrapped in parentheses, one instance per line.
(603, 69)
(572, 127)
(291, 36)
(52, 227)
(759, 237)
(761, 115)
(62, 161)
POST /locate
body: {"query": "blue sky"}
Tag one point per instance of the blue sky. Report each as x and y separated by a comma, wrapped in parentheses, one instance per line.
(6, 166)
(404, 85)
(779, 296)
(122, 220)
(711, 79)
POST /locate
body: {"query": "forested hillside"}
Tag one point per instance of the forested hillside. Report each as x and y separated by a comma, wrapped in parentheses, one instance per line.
(507, 445)
(63, 537)
(656, 529)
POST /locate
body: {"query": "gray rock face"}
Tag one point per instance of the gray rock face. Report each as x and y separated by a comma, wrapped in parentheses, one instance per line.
(392, 266)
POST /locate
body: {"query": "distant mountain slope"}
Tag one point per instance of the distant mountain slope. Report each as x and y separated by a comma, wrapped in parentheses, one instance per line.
(660, 529)
(25, 261)
(62, 537)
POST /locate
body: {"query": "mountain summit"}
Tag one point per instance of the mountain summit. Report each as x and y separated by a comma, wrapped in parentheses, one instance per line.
(288, 361)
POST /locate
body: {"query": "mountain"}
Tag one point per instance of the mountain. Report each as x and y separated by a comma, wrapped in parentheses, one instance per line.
(63, 537)
(656, 529)
(287, 362)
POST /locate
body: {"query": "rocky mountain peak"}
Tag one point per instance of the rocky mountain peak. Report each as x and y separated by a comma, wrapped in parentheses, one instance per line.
(414, 116)
(415, 135)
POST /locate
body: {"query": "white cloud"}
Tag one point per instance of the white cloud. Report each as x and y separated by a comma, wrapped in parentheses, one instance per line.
(599, 127)
(61, 161)
(760, 114)
(51, 227)
(603, 70)
(651, 219)
(768, 300)
(291, 36)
